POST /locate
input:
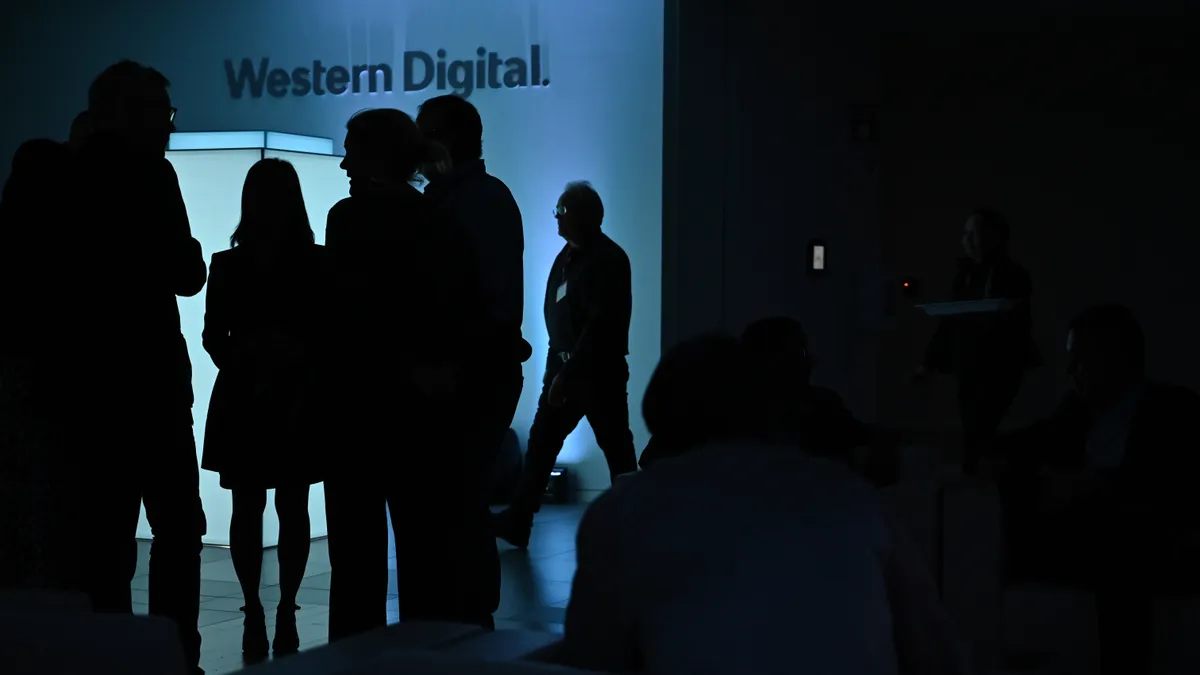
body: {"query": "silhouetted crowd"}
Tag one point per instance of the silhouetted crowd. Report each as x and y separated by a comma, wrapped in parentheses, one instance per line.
(388, 365)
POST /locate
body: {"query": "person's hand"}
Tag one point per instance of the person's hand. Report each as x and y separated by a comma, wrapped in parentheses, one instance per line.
(436, 382)
(557, 394)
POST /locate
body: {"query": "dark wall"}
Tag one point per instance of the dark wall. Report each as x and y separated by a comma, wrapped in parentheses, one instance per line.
(1080, 128)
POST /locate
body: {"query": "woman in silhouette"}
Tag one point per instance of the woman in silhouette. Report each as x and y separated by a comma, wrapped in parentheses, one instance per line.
(262, 327)
(989, 353)
(406, 295)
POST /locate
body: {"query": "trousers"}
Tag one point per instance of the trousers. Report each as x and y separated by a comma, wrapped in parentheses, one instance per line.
(602, 397)
(435, 489)
(156, 468)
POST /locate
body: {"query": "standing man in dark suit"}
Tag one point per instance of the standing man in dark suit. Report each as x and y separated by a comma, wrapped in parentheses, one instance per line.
(588, 304)
(1101, 493)
(482, 206)
(134, 373)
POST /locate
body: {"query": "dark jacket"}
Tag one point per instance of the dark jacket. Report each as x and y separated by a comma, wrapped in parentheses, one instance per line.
(265, 329)
(1155, 472)
(591, 320)
(35, 227)
(136, 254)
(966, 344)
(404, 296)
(484, 208)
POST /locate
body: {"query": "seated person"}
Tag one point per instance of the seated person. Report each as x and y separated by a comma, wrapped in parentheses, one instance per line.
(691, 395)
(743, 556)
(777, 353)
(1098, 494)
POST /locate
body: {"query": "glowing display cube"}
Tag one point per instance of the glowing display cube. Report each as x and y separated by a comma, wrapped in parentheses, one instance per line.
(212, 167)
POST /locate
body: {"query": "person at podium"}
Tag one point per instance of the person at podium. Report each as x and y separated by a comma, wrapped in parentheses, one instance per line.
(987, 353)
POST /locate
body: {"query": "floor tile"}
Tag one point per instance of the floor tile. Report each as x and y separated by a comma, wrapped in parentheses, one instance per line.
(536, 587)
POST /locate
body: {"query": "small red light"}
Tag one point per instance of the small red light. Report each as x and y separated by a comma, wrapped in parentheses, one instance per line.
(906, 284)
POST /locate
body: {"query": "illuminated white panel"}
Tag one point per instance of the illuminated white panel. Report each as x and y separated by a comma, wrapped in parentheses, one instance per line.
(297, 143)
(217, 140)
(211, 182)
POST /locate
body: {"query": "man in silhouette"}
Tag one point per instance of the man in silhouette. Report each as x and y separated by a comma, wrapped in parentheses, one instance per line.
(788, 408)
(484, 208)
(810, 565)
(133, 254)
(1099, 494)
(588, 305)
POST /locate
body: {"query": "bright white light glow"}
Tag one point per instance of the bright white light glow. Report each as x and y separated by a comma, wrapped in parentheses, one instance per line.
(211, 182)
(297, 143)
(217, 140)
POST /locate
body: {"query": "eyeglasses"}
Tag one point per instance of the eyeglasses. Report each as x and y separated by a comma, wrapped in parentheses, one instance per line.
(171, 115)
(560, 211)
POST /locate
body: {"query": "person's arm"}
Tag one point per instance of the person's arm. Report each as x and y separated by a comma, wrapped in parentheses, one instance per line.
(215, 336)
(926, 640)
(185, 262)
(597, 631)
(609, 313)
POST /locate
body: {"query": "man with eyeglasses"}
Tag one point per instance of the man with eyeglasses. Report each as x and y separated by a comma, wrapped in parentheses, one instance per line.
(489, 389)
(129, 254)
(588, 304)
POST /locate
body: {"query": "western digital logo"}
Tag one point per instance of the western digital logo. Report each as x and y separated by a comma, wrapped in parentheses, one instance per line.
(420, 71)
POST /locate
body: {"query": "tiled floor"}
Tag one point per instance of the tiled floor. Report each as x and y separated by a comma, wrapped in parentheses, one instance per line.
(536, 585)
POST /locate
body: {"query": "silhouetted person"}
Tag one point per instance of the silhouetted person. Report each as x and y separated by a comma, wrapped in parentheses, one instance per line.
(483, 207)
(699, 387)
(700, 391)
(792, 409)
(988, 353)
(405, 300)
(133, 429)
(588, 304)
(35, 501)
(263, 327)
(1101, 493)
(743, 556)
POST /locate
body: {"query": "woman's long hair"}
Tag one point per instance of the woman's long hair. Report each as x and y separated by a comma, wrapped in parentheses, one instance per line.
(273, 212)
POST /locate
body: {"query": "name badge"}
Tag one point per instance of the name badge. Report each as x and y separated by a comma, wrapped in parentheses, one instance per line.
(562, 292)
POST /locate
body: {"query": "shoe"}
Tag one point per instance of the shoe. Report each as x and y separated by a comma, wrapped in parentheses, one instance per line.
(255, 646)
(287, 640)
(513, 528)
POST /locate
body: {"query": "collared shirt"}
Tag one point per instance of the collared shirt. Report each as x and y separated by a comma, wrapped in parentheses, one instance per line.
(589, 300)
(485, 209)
(1109, 431)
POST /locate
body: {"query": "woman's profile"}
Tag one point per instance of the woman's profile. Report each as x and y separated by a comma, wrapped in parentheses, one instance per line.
(262, 328)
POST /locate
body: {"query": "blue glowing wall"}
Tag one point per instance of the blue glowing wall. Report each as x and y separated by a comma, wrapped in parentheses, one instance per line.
(599, 118)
